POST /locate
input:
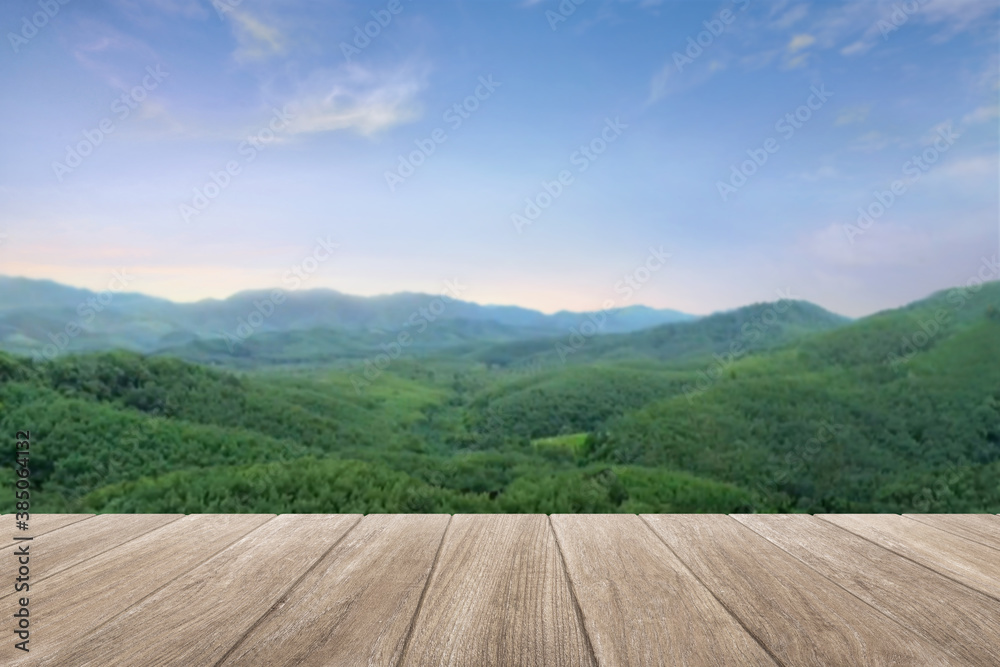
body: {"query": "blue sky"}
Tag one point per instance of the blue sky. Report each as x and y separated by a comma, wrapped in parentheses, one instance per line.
(163, 94)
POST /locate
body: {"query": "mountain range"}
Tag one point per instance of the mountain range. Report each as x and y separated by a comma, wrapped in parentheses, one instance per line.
(45, 317)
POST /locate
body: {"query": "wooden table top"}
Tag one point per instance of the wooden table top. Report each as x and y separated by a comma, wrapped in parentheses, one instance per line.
(516, 589)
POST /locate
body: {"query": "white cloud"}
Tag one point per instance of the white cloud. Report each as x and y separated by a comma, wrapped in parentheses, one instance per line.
(356, 99)
(851, 115)
(871, 142)
(760, 59)
(955, 16)
(793, 58)
(974, 173)
(791, 17)
(861, 23)
(982, 114)
(658, 85)
(823, 173)
(109, 52)
(256, 41)
(856, 48)
(796, 61)
(800, 42)
(138, 9)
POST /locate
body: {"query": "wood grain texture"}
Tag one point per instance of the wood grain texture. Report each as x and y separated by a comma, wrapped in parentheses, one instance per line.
(802, 617)
(42, 524)
(73, 543)
(969, 562)
(357, 605)
(195, 619)
(70, 604)
(640, 603)
(964, 622)
(982, 528)
(498, 596)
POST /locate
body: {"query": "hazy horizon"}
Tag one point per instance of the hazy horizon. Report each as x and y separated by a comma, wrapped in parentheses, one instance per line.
(994, 267)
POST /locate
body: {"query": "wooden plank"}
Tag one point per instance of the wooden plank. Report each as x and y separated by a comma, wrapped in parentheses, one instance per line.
(640, 603)
(198, 617)
(498, 596)
(969, 562)
(61, 549)
(961, 620)
(800, 616)
(357, 605)
(75, 601)
(42, 524)
(982, 528)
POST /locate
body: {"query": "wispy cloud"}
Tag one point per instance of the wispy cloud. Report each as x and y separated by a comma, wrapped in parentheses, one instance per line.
(863, 24)
(658, 85)
(256, 41)
(956, 16)
(871, 142)
(982, 114)
(800, 42)
(852, 115)
(109, 52)
(795, 54)
(358, 99)
(142, 9)
(823, 173)
(790, 18)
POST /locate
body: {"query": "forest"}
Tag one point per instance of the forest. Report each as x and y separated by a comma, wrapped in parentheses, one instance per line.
(769, 408)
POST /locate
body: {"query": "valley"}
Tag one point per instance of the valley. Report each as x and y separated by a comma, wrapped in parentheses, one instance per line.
(771, 407)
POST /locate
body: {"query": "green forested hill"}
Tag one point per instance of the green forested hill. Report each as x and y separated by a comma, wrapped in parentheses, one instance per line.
(844, 421)
(827, 415)
(753, 328)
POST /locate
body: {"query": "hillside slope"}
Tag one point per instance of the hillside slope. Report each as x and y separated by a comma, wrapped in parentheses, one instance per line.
(844, 421)
(737, 332)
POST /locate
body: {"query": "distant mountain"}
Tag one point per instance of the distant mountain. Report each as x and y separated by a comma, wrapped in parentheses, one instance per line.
(42, 316)
(752, 328)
